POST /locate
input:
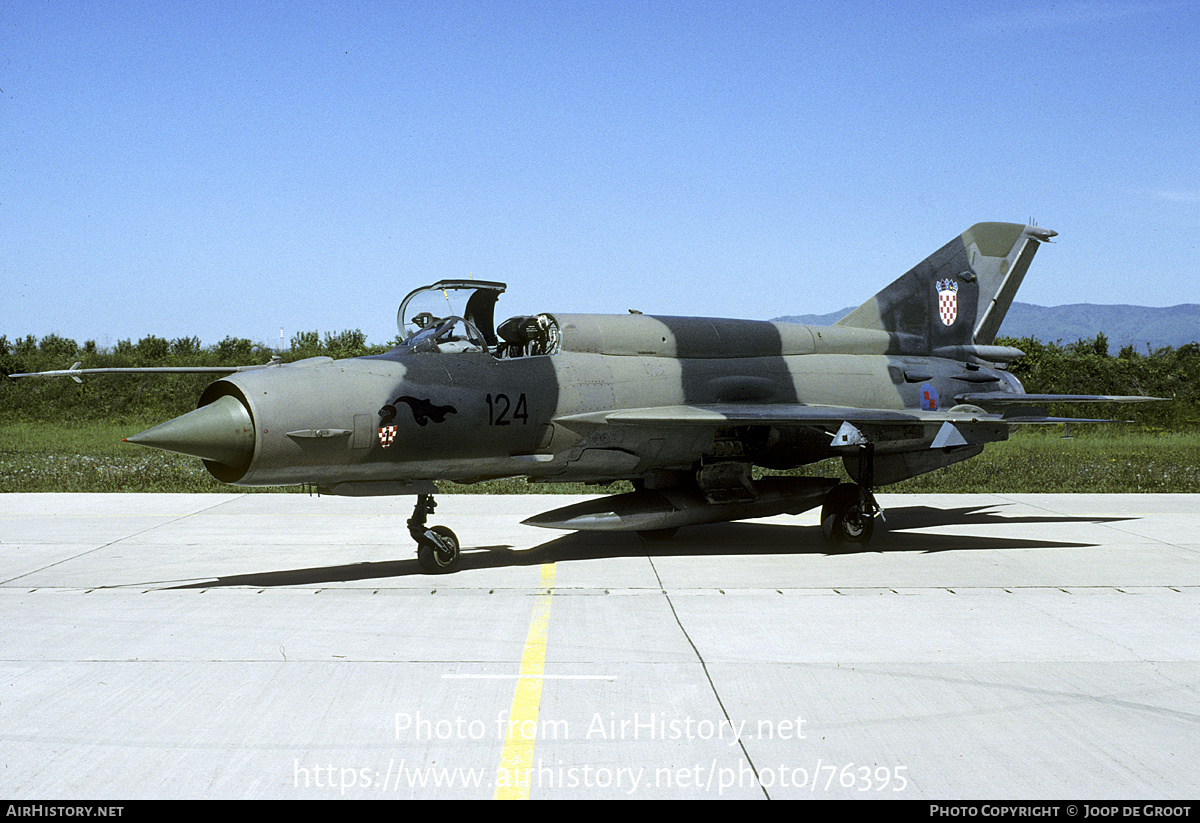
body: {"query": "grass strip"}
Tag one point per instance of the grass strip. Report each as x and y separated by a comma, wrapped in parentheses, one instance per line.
(90, 457)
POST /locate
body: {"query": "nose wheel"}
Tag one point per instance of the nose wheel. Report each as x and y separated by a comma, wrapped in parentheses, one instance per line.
(437, 546)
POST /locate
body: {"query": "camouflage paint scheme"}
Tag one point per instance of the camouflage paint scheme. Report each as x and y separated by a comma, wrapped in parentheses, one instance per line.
(684, 407)
(628, 395)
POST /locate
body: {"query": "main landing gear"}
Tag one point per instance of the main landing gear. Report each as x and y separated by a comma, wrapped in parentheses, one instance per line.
(437, 546)
(848, 515)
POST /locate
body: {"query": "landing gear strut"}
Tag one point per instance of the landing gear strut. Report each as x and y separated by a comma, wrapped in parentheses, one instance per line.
(437, 546)
(848, 515)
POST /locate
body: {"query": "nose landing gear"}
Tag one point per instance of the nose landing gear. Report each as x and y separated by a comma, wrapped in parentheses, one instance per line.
(437, 546)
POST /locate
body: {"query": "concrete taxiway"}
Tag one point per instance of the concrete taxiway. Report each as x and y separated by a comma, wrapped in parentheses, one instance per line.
(282, 646)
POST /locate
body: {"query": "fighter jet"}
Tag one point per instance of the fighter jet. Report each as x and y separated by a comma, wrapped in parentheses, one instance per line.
(686, 408)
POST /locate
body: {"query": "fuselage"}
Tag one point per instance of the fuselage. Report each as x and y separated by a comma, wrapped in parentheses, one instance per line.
(469, 414)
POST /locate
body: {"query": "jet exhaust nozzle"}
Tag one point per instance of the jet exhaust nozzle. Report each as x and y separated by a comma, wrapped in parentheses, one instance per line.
(220, 432)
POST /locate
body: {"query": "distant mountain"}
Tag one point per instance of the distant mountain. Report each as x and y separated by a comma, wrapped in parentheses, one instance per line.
(1144, 327)
(815, 319)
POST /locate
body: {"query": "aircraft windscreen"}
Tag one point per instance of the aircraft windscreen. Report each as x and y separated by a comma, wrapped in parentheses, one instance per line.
(428, 308)
(447, 335)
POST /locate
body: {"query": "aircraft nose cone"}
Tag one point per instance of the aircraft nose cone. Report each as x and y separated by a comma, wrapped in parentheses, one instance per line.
(221, 432)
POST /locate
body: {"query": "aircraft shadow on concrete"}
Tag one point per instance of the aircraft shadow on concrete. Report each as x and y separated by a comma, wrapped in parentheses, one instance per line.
(721, 539)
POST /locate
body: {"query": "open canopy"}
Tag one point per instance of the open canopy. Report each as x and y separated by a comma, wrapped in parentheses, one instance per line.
(472, 300)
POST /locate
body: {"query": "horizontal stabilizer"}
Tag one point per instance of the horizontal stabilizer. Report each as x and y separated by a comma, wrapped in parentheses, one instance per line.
(1042, 419)
(999, 398)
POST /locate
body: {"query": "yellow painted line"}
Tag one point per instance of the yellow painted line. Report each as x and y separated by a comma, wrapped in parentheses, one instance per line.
(516, 760)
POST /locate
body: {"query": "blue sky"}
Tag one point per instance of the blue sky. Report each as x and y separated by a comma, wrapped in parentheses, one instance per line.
(226, 169)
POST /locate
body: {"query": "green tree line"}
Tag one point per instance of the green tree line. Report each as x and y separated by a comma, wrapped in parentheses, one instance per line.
(121, 398)
(1086, 367)
(1082, 367)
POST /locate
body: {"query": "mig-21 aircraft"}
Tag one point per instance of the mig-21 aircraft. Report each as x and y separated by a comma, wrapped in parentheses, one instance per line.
(684, 407)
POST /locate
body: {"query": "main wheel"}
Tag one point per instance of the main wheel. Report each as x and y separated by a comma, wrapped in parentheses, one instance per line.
(437, 551)
(847, 516)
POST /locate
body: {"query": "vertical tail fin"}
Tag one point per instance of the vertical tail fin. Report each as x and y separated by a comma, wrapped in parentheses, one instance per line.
(958, 296)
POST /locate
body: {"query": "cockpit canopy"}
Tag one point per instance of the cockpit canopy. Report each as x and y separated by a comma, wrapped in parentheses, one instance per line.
(453, 316)
(472, 300)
